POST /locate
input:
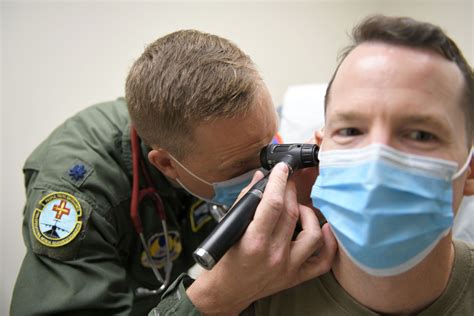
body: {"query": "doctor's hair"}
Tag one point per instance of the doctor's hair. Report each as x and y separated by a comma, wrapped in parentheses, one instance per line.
(405, 31)
(184, 79)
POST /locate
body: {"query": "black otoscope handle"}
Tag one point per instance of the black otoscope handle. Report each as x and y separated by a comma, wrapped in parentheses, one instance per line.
(231, 227)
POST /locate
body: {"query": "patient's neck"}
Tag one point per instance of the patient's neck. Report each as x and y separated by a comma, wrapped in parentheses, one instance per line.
(402, 294)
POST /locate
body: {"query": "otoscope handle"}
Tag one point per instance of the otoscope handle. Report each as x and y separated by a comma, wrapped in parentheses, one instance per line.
(230, 228)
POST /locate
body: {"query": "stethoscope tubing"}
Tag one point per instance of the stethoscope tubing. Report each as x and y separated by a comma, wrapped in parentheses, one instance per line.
(136, 198)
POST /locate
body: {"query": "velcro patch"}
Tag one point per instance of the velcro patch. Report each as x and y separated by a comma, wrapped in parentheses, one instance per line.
(157, 245)
(199, 215)
(78, 172)
(57, 220)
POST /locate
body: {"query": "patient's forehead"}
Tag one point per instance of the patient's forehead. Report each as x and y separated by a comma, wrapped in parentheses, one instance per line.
(381, 68)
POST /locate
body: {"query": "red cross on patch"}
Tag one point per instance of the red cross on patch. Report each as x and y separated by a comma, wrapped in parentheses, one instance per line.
(61, 209)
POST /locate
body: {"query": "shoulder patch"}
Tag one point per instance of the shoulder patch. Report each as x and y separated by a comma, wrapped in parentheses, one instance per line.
(57, 220)
(78, 172)
(199, 215)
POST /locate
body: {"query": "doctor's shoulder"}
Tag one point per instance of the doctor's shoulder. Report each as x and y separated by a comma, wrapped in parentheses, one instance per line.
(77, 173)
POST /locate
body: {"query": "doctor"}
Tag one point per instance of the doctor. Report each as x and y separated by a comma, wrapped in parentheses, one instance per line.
(121, 194)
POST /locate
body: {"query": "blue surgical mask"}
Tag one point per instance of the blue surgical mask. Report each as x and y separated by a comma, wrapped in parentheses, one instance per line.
(388, 209)
(225, 192)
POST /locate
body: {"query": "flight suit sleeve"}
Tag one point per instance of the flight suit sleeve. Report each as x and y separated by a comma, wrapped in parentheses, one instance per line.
(175, 301)
(71, 265)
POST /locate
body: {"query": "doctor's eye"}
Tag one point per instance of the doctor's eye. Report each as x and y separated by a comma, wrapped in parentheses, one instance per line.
(350, 131)
(421, 136)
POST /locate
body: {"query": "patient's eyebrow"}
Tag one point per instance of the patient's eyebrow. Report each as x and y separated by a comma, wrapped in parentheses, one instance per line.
(440, 124)
(348, 116)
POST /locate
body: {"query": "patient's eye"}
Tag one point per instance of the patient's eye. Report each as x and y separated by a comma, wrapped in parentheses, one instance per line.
(350, 131)
(421, 136)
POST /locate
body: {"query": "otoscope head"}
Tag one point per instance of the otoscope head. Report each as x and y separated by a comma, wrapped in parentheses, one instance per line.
(297, 156)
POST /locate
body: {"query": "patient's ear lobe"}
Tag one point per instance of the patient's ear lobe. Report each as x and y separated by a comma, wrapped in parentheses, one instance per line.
(318, 136)
(469, 185)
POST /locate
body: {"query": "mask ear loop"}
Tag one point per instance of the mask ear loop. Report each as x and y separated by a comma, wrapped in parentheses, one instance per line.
(464, 167)
(195, 176)
(189, 171)
(189, 191)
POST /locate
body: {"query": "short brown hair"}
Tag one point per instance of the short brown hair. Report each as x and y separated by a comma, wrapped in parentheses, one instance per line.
(408, 32)
(185, 78)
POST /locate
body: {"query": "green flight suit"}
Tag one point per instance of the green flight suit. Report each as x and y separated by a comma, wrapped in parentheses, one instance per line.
(83, 256)
(324, 296)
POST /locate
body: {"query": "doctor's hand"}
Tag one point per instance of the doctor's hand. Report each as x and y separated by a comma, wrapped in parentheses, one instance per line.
(304, 180)
(266, 259)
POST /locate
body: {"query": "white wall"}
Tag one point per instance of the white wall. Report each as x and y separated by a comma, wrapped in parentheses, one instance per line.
(59, 57)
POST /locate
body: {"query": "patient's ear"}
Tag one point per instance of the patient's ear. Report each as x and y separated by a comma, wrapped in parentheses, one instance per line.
(318, 136)
(469, 185)
(161, 159)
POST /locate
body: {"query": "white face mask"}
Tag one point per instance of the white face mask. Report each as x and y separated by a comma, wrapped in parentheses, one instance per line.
(225, 192)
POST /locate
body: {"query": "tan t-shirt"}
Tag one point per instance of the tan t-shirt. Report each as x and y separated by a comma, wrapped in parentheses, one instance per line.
(324, 296)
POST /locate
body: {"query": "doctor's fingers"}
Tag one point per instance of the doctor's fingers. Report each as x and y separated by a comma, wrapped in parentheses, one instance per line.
(309, 240)
(285, 227)
(256, 177)
(321, 261)
(272, 205)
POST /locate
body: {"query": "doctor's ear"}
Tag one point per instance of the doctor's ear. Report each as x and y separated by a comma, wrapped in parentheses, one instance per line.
(161, 159)
(469, 185)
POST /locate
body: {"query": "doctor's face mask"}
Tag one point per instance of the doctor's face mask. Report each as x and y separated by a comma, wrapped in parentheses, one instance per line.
(225, 192)
(388, 209)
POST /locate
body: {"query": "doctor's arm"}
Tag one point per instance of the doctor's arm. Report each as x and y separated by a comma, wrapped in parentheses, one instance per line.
(82, 277)
(266, 259)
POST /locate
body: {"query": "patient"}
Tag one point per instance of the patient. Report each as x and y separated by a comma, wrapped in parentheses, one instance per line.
(395, 163)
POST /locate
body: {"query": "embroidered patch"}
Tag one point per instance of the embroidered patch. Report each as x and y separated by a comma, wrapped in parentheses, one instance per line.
(199, 215)
(157, 244)
(57, 220)
(77, 172)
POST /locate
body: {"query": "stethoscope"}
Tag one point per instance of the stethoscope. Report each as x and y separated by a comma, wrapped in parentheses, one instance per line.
(137, 197)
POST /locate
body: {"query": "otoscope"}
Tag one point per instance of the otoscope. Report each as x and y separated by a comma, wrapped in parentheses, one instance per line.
(233, 225)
